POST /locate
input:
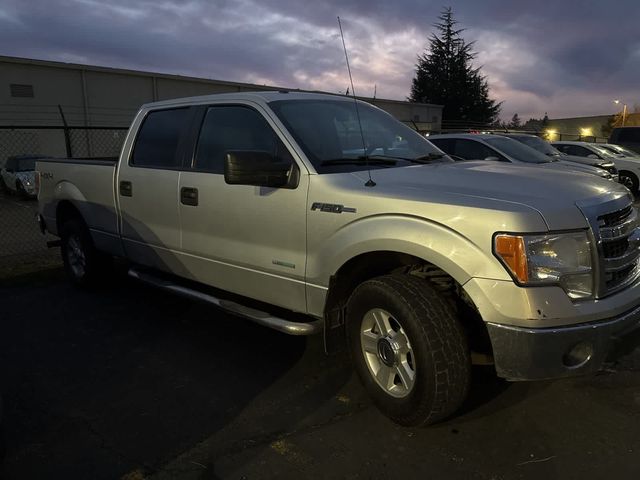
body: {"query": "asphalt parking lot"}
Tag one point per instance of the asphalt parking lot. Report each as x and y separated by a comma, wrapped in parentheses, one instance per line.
(128, 382)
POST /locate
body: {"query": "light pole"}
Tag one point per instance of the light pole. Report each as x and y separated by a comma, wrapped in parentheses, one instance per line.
(624, 110)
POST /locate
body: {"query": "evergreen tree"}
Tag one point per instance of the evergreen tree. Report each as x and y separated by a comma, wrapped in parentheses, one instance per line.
(515, 121)
(445, 76)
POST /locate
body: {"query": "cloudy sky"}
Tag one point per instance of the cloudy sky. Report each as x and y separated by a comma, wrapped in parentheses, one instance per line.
(564, 57)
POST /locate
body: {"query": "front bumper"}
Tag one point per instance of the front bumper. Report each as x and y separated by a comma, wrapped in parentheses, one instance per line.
(522, 353)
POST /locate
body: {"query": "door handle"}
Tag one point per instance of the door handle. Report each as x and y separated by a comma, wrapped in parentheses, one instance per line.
(189, 196)
(126, 189)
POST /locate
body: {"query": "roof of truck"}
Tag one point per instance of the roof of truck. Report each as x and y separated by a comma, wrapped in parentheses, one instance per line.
(266, 97)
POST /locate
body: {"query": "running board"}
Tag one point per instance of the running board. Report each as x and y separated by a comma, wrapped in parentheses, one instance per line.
(258, 316)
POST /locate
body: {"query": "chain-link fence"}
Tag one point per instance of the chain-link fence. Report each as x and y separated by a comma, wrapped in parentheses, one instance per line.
(74, 142)
(21, 243)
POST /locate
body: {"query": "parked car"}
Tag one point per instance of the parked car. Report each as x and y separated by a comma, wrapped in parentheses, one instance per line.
(628, 137)
(412, 261)
(546, 148)
(628, 168)
(472, 146)
(620, 151)
(18, 175)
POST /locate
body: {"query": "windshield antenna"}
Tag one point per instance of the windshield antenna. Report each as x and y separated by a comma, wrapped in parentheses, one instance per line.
(370, 182)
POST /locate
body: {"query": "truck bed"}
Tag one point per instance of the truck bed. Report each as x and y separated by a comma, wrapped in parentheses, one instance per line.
(86, 184)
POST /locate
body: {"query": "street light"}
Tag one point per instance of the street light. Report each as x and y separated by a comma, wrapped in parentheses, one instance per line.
(624, 110)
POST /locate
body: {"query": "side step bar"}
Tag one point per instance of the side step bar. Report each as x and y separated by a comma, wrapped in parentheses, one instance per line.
(260, 317)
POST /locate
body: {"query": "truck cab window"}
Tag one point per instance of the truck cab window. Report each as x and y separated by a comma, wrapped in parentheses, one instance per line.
(157, 142)
(230, 127)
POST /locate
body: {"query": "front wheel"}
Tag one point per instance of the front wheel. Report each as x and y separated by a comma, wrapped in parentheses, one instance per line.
(408, 349)
(629, 180)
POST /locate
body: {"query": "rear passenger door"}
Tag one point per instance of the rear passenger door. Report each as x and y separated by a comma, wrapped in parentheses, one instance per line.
(147, 187)
(246, 239)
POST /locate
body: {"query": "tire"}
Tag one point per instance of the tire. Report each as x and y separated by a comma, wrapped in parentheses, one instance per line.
(82, 262)
(629, 180)
(425, 350)
(20, 191)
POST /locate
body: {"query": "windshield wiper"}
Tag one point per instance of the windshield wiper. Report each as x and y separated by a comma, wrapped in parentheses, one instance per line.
(360, 161)
(383, 160)
(430, 157)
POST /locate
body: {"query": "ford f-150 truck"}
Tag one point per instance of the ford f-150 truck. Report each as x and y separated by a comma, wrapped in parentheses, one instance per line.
(315, 213)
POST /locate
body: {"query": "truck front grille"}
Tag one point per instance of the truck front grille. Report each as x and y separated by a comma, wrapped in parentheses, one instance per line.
(618, 239)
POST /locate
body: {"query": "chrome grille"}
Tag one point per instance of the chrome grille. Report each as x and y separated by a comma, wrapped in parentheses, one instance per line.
(618, 239)
(614, 218)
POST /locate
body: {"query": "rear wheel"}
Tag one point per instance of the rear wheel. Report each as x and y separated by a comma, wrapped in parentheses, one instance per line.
(82, 261)
(408, 349)
(629, 180)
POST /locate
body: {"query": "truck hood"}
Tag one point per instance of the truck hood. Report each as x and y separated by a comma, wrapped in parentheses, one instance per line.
(551, 192)
(594, 162)
(568, 165)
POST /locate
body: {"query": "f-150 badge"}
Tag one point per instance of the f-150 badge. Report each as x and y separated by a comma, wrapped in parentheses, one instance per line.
(331, 208)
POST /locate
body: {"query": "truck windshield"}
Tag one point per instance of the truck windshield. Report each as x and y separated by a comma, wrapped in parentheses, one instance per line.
(517, 150)
(329, 134)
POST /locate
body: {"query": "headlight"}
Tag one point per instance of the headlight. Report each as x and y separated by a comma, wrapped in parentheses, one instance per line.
(562, 259)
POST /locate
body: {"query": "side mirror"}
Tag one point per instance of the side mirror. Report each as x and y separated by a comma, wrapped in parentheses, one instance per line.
(255, 167)
(592, 155)
(492, 159)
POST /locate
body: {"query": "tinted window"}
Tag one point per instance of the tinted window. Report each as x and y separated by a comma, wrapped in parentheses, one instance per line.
(234, 128)
(629, 135)
(157, 141)
(516, 150)
(578, 151)
(538, 144)
(444, 144)
(472, 150)
(26, 164)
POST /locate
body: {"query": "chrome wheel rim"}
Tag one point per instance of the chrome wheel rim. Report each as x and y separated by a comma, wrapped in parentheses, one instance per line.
(388, 353)
(76, 257)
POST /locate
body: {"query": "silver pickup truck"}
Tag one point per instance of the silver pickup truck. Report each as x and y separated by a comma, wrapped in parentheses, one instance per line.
(314, 213)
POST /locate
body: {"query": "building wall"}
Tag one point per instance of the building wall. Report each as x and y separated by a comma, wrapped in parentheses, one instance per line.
(579, 126)
(99, 96)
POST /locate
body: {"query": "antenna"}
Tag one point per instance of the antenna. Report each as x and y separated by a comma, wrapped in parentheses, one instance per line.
(370, 182)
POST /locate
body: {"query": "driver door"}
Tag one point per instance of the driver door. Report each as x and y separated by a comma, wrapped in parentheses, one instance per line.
(246, 239)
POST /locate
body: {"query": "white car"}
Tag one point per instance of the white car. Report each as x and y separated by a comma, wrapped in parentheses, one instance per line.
(628, 167)
(620, 151)
(18, 175)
